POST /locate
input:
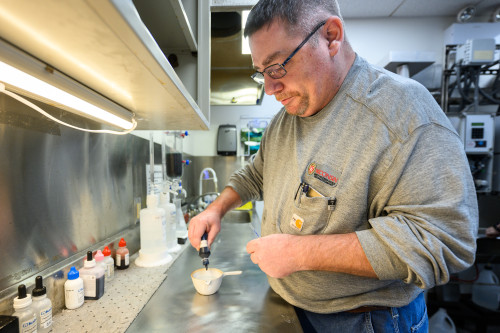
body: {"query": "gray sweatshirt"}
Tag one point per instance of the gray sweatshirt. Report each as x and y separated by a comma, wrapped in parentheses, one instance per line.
(389, 166)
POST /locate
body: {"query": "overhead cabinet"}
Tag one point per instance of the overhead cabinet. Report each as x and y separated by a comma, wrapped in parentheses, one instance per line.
(104, 45)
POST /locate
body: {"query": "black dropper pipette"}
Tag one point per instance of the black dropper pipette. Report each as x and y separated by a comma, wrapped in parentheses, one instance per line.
(204, 250)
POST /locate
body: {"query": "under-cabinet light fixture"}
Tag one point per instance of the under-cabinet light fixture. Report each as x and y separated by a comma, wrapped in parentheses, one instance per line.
(23, 74)
(17, 78)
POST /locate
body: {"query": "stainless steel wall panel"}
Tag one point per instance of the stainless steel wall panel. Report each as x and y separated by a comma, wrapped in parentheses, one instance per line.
(61, 191)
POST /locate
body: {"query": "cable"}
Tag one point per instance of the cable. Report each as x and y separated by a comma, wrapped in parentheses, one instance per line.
(489, 97)
(463, 93)
(38, 109)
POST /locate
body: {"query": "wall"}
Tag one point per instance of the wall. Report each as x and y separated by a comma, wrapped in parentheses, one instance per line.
(374, 38)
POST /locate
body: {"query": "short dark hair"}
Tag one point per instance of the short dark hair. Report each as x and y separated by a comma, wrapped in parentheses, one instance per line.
(299, 16)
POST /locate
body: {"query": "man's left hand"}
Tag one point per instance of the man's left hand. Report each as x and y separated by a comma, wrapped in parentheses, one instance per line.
(275, 254)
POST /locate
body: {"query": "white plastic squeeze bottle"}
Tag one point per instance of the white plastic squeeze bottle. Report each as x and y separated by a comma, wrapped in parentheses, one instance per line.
(73, 290)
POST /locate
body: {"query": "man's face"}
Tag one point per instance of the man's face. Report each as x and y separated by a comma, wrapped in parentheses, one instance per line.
(304, 90)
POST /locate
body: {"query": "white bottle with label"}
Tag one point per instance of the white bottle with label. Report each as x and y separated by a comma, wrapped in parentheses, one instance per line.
(110, 264)
(171, 218)
(42, 306)
(24, 311)
(93, 278)
(153, 234)
(73, 290)
(122, 255)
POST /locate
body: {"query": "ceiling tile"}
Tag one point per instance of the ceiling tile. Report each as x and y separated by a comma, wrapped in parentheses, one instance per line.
(367, 8)
(412, 8)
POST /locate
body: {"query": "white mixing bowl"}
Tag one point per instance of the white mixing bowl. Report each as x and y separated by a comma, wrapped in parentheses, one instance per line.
(208, 281)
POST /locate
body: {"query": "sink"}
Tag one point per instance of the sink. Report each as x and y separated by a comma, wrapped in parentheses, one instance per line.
(238, 216)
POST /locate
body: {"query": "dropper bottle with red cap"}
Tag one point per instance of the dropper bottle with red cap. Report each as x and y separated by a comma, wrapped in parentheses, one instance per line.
(110, 263)
(122, 255)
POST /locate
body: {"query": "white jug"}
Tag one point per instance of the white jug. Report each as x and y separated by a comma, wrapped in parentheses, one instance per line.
(486, 290)
(440, 322)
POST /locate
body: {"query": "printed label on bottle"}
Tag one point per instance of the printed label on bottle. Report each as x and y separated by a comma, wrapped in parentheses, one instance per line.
(74, 297)
(89, 285)
(126, 260)
(109, 269)
(46, 318)
(81, 295)
(118, 259)
(29, 326)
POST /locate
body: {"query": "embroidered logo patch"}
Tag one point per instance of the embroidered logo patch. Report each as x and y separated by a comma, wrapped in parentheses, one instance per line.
(311, 168)
(297, 222)
(320, 173)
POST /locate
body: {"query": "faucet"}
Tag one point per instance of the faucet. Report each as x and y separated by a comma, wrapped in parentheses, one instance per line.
(204, 175)
(200, 204)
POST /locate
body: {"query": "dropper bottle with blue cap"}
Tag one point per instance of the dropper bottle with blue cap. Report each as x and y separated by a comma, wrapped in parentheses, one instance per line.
(73, 290)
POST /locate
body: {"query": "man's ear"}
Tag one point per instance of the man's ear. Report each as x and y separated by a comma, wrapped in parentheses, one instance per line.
(334, 30)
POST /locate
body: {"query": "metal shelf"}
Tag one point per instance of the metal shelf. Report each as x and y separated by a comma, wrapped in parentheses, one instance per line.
(416, 61)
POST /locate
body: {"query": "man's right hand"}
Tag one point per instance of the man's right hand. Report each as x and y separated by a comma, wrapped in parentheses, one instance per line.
(207, 221)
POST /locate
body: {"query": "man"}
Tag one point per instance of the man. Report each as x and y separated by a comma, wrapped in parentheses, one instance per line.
(368, 197)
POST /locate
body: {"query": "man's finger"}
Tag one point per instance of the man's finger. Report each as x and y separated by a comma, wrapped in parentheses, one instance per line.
(251, 246)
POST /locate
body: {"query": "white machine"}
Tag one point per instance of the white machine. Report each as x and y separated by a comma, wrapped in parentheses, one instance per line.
(476, 52)
(478, 135)
(478, 131)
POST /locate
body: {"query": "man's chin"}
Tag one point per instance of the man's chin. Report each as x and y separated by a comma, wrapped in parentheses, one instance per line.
(294, 111)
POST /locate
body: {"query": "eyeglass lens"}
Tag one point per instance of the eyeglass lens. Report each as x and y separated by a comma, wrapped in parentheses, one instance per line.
(275, 71)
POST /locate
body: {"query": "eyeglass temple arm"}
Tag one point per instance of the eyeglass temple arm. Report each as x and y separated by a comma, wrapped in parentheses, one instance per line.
(303, 42)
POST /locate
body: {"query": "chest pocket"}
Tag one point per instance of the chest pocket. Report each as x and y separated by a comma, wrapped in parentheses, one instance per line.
(310, 213)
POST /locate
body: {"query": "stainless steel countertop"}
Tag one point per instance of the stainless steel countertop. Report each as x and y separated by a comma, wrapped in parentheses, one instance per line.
(244, 303)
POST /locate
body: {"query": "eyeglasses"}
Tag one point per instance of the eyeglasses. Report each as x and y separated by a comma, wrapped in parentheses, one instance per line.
(277, 71)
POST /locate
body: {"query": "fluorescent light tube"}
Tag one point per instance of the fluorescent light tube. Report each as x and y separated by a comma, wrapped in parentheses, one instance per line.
(21, 80)
(245, 48)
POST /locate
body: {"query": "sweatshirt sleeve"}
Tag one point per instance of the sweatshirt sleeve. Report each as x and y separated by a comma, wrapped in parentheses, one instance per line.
(424, 219)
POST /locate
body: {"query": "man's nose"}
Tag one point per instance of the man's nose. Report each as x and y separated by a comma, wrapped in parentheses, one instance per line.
(272, 86)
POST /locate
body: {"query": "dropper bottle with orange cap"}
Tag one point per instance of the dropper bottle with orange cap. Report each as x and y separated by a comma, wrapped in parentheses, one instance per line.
(122, 255)
(110, 263)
